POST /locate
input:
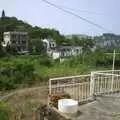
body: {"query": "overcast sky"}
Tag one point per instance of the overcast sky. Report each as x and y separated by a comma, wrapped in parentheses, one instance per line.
(36, 12)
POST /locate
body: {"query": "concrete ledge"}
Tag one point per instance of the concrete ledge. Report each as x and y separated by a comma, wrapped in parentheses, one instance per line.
(57, 115)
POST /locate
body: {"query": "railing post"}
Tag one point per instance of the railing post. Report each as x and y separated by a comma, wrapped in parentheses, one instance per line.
(50, 87)
(112, 81)
(92, 82)
(49, 96)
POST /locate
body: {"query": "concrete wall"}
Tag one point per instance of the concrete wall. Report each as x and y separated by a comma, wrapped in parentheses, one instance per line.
(56, 55)
(51, 113)
(56, 115)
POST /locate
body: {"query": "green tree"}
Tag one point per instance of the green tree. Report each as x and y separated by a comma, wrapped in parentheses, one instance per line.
(35, 46)
(14, 74)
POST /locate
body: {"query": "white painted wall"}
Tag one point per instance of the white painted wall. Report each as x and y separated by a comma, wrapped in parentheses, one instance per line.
(56, 55)
(6, 39)
(50, 43)
(47, 42)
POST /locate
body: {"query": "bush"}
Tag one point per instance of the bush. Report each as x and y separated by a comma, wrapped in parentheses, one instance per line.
(12, 75)
(46, 62)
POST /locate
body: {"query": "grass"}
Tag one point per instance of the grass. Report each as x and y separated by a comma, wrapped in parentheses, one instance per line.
(55, 68)
(4, 111)
(34, 70)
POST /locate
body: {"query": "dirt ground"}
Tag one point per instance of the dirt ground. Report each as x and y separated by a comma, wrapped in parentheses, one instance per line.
(24, 102)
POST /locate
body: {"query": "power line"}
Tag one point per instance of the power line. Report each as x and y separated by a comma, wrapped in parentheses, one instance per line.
(82, 11)
(74, 14)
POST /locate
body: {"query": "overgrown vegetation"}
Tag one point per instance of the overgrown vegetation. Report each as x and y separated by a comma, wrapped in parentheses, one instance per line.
(21, 71)
(4, 111)
(15, 73)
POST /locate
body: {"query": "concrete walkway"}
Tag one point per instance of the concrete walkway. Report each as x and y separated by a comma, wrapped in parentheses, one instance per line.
(104, 108)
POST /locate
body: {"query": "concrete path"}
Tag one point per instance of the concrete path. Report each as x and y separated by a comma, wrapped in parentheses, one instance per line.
(104, 108)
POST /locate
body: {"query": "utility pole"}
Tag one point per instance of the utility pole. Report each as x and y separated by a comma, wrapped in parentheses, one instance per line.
(113, 67)
(114, 56)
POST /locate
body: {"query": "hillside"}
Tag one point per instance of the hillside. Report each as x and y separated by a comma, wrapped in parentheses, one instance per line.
(13, 24)
(80, 36)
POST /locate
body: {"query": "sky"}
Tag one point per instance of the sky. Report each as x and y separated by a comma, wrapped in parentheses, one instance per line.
(37, 13)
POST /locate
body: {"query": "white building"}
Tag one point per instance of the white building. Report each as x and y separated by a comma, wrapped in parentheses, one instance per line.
(49, 43)
(17, 39)
(56, 55)
(60, 51)
(67, 51)
(51, 47)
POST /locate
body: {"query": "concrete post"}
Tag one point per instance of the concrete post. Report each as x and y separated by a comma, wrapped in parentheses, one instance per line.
(92, 82)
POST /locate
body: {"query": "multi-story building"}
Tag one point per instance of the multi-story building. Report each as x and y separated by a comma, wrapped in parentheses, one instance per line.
(17, 39)
(107, 40)
(56, 51)
(67, 51)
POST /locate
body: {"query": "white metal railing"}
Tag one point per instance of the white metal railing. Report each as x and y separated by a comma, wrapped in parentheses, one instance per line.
(114, 72)
(78, 87)
(105, 82)
(83, 87)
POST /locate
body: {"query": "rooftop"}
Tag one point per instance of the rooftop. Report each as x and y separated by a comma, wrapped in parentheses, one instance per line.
(69, 47)
(15, 32)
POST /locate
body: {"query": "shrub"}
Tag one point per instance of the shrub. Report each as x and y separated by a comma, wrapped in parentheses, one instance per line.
(15, 74)
(46, 62)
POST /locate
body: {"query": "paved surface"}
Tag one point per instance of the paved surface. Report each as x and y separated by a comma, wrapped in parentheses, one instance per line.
(104, 108)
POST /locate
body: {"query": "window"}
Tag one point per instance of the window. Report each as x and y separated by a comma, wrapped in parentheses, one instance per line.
(3, 42)
(77, 50)
(52, 45)
(13, 42)
(18, 41)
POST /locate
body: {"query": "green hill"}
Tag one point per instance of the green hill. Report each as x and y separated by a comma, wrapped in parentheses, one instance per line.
(13, 24)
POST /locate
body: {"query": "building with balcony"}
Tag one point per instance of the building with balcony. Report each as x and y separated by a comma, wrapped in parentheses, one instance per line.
(18, 40)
